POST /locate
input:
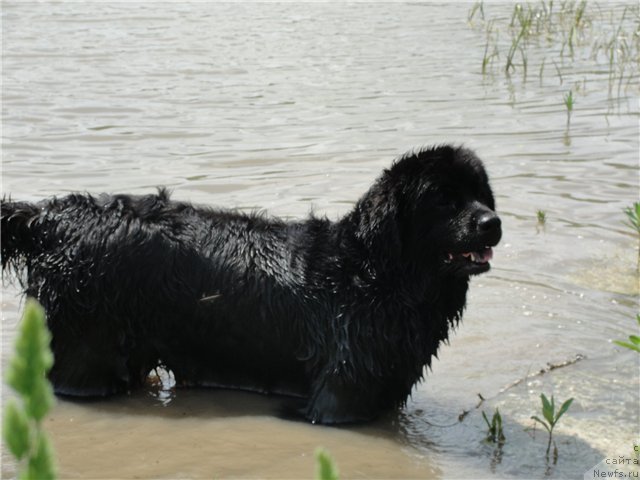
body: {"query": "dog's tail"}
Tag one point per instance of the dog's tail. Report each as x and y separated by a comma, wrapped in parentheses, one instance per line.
(16, 239)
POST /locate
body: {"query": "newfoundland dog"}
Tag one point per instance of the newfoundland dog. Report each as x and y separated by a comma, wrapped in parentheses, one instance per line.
(344, 314)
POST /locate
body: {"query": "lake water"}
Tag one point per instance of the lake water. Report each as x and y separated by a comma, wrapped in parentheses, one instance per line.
(298, 107)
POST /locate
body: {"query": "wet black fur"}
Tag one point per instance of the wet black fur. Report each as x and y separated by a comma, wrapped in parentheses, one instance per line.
(345, 314)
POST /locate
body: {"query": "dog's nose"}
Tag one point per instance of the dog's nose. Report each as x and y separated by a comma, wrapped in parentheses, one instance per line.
(489, 222)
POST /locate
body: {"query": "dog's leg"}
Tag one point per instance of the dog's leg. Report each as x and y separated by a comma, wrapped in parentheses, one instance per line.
(88, 377)
(96, 363)
(336, 401)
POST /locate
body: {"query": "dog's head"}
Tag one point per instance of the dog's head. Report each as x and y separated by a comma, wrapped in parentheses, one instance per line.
(435, 208)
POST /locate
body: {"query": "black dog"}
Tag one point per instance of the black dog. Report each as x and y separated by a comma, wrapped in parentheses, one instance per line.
(345, 314)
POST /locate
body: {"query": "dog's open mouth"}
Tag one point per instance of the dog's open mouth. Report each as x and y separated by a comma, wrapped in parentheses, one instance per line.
(476, 261)
(480, 257)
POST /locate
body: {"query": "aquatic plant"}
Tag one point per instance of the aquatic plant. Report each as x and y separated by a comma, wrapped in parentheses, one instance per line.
(477, 7)
(633, 221)
(22, 429)
(325, 466)
(621, 50)
(541, 215)
(634, 340)
(568, 103)
(562, 27)
(633, 216)
(495, 433)
(551, 418)
(488, 56)
(525, 28)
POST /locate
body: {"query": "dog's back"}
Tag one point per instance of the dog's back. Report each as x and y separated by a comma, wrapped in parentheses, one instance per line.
(16, 239)
(56, 226)
(129, 282)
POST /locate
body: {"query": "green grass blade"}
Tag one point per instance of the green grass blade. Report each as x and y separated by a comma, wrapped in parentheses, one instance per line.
(497, 420)
(31, 362)
(499, 431)
(630, 346)
(41, 464)
(565, 406)
(40, 400)
(33, 356)
(22, 429)
(15, 430)
(486, 420)
(633, 218)
(544, 424)
(325, 466)
(547, 409)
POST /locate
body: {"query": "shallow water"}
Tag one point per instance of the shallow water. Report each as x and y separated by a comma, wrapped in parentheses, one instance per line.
(297, 107)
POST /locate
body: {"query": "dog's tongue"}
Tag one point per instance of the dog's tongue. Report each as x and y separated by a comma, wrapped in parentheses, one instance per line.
(485, 255)
(482, 256)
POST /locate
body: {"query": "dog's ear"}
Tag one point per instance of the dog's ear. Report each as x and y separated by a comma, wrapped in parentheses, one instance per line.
(378, 217)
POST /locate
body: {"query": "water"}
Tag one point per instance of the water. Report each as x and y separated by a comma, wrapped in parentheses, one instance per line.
(298, 107)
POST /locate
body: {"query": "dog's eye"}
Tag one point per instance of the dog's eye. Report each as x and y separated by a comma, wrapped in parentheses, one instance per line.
(445, 202)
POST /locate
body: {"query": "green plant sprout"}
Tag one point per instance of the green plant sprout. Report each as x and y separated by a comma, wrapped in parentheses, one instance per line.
(325, 466)
(569, 102)
(634, 340)
(633, 216)
(633, 221)
(551, 418)
(495, 433)
(541, 215)
(22, 427)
